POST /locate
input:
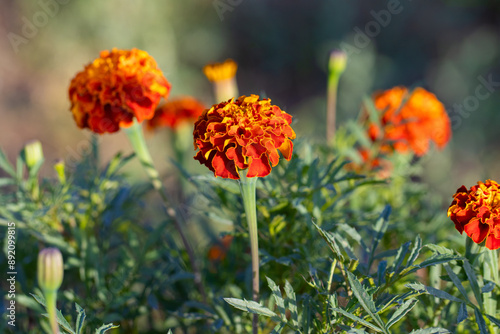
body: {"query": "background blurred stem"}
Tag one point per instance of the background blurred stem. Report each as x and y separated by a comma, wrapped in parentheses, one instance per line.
(336, 66)
(247, 188)
(136, 138)
(490, 268)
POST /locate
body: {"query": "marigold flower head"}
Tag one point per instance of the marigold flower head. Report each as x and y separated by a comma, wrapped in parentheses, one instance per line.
(477, 212)
(410, 120)
(243, 133)
(220, 71)
(115, 88)
(175, 112)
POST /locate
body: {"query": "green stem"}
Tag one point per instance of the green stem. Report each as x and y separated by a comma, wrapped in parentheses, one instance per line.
(247, 188)
(50, 300)
(331, 106)
(136, 138)
(490, 272)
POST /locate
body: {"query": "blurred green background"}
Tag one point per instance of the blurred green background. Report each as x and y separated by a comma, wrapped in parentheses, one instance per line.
(448, 47)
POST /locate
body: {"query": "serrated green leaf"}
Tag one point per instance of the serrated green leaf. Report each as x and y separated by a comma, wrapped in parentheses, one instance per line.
(291, 302)
(436, 259)
(252, 307)
(462, 313)
(443, 294)
(358, 319)
(60, 318)
(454, 278)
(488, 287)
(330, 240)
(382, 267)
(493, 320)
(473, 283)
(481, 323)
(279, 327)
(356, 331)
(439, 249)
(280, 302)
(432, 330)
(364, 299)
(105, 328)
(415, 251)
(80, 319)
(401, 312)
(6, 165)
(400, 256)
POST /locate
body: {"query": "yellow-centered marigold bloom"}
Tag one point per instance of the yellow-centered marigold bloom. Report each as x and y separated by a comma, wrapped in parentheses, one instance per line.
(115, 88)
(175, 112)
(477, 212)
(243, 133)
(410, 120)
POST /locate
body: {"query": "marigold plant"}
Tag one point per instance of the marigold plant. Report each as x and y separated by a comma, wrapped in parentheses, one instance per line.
(243, 133)
(115, 88)
(410, 120)
(477, 212)
(175, 112)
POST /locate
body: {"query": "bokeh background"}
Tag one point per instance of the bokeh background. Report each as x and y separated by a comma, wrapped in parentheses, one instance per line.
(451, 48)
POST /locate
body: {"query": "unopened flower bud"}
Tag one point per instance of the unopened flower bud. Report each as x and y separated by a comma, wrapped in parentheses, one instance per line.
(337, 62)
(50, 269)
(33, 153)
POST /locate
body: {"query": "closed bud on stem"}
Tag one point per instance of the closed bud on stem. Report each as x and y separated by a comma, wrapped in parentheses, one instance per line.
(337, 62)
(33, 153)
(50, 269)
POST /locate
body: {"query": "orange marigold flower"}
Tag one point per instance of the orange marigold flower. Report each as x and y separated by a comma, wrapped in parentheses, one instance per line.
(218, 251)
(477, 212)
(220, 71)
(410, 120)
(175, 112)
(115, 88)
(243, 133)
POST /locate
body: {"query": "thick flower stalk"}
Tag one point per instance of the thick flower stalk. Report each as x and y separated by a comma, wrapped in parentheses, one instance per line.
(246, 133)
(336, 66)
(240, 139)
(50, 271)
(115, 89)
(223, 78)
(409, 121)
(476, 211)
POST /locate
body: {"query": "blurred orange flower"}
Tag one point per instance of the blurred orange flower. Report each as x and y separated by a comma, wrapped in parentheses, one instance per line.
(115, 88)
(410, 120)
(218, 251)
(175, 112)
(477, 212)
(220, 71)
(243, 133)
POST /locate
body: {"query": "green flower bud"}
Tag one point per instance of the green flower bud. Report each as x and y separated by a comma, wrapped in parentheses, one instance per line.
(337, 63)
(33, 153)
(50, 269)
